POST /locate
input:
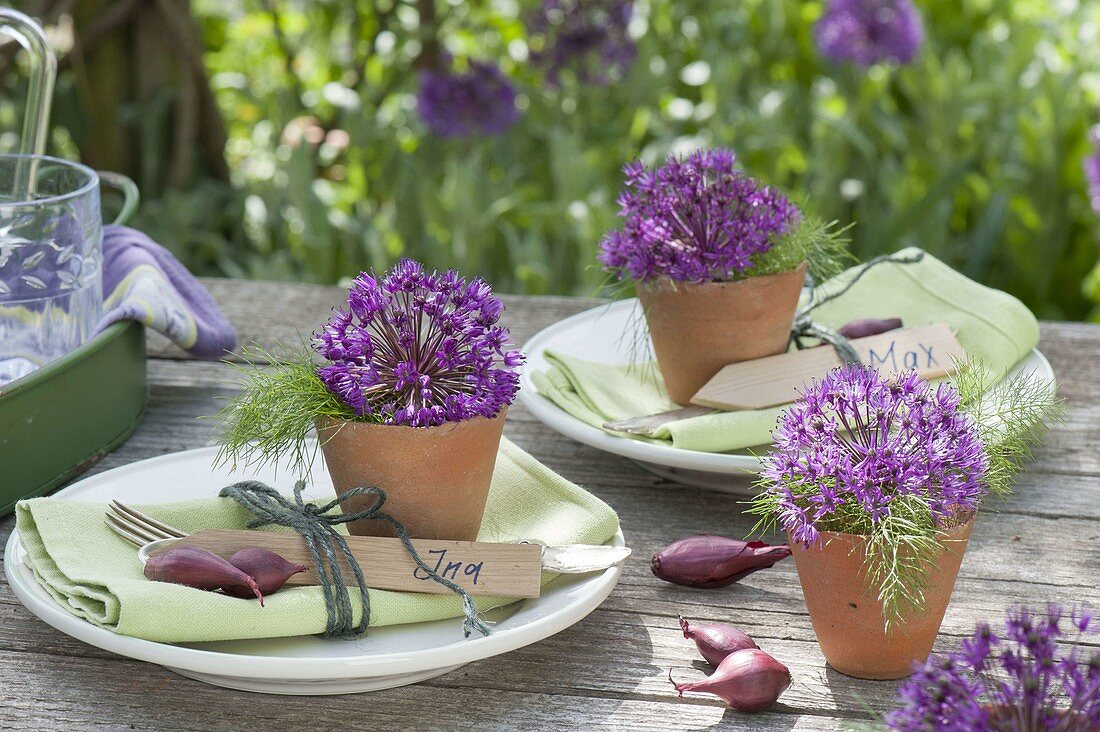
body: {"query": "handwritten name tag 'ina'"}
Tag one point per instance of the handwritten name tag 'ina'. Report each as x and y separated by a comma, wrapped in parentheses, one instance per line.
(930, 350)
(480, 568)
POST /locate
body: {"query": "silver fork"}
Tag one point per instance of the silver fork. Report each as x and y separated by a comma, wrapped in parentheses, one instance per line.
(139, 528)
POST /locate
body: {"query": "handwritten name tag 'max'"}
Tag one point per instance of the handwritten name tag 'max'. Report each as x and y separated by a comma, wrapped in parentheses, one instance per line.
(930, 350)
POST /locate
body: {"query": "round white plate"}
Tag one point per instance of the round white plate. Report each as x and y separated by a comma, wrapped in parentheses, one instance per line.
(607, 334)
(383, 658)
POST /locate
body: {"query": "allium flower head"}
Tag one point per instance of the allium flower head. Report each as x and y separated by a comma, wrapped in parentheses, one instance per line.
(419, 349)
(478, 102)
(855, 442)
(1092, 169)
(694, 219)
(588, 36)
(867, 32)
(1023, 681)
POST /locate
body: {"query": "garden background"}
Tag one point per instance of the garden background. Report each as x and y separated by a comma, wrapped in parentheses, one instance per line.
(281, 139)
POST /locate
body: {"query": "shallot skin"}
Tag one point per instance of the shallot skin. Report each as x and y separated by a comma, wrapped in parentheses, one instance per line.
(709, 561)
(868, 327)
(198, 568)
(269, 570)
(716, 640)
(748, 680)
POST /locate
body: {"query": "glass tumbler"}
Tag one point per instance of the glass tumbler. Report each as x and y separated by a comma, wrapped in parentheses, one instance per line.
(51, 238)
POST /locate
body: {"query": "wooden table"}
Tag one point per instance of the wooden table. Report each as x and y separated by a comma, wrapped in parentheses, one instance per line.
(610, 670)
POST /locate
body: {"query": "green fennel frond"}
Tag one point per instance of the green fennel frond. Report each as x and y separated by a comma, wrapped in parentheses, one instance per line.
(1012, 417)
(900, 555)
(820, 243)
(280, 401)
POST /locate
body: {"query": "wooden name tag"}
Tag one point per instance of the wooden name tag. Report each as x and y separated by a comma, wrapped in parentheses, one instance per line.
(930, 350)
(503, 570)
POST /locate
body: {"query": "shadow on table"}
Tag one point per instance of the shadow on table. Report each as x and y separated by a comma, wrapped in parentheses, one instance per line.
(861, 697)
(780, 717)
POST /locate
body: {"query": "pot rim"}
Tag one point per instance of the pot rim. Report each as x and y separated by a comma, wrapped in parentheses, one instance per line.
(325, 423)
(664, 282)
(952, 534)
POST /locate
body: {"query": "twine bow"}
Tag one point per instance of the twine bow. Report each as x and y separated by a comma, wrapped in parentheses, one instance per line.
(805, 327)
(318, 527)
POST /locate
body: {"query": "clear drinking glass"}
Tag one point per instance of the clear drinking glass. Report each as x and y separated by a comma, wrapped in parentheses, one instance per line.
(51, 238)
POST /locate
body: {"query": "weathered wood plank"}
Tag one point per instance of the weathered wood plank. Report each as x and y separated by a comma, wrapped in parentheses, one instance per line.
(638, 651)
(119, 693)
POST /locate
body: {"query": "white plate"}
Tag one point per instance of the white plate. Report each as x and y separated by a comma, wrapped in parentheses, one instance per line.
(384, 658)
(606, 334)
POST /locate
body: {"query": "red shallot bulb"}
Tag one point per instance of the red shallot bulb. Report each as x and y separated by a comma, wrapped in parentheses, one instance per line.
(203, 570)
(748, 680)
(269, 569)
(716, 640)
(868, 327)
(714, 561)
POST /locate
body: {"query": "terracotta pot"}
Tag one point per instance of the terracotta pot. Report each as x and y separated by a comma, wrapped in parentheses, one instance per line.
(436, 478)
(699, 328)
(848, 618)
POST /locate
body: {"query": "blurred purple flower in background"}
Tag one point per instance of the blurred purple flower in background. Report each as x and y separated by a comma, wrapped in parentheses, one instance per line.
(588, 36)
(867, 32)
(694, 219)
(480, 101)
(855, 442)
(419, 349)
(1092, 169)
(1023, 680)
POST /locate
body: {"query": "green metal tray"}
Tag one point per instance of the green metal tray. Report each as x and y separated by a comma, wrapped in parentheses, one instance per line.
(58, 421)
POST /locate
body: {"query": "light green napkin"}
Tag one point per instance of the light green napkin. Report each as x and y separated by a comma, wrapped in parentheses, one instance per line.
(991, 325)
(95, 574)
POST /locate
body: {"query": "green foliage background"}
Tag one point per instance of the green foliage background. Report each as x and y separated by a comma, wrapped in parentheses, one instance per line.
(973, 153)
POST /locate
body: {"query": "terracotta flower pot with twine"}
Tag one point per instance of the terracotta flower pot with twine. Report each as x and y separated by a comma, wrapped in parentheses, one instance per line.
(699, 328)
(848, 617)
(436, 478)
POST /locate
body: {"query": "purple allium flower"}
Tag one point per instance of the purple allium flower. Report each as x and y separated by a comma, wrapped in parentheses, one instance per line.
(588, 36)
(856, 441)
(1021, 682)
(480, 101)
(1092, 169)
(419, 349)
(867, 32)
(694, 219)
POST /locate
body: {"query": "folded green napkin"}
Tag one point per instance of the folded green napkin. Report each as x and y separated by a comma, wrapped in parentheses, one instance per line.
(96, 575)
(991, 325)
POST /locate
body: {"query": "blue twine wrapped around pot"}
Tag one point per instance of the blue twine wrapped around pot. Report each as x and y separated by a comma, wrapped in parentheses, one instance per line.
(318, 528)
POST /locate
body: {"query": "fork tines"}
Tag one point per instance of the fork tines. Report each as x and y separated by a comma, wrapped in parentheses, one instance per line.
(135, 526)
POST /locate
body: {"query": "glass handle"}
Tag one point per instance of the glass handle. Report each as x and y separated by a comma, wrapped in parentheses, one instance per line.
(131, 196)
(43, 71)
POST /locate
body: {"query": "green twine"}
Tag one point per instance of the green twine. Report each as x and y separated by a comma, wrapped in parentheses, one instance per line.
(805, 327)
(317, 527)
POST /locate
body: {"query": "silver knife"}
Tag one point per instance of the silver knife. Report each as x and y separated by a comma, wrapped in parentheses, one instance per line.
(647, 424)
(582, 558)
